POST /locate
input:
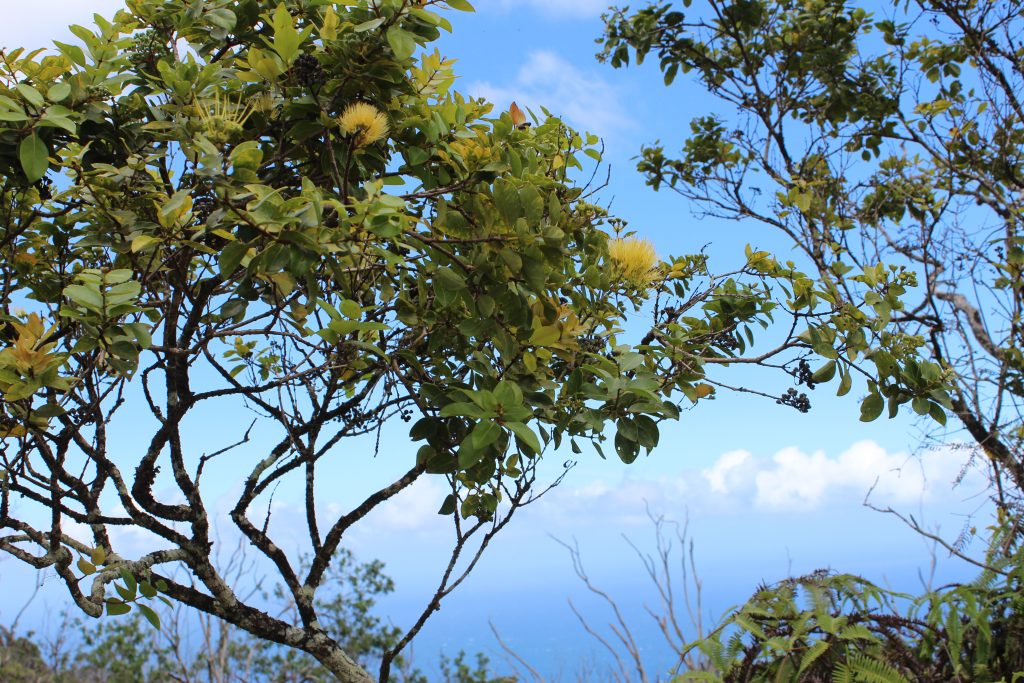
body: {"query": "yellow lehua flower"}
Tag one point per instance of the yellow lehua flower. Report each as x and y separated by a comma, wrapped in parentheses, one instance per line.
(263, 102)
(221, 119)
(634, 260)
(364, 122)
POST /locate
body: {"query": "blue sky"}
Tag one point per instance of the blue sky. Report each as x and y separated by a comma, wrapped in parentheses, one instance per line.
(768, 490)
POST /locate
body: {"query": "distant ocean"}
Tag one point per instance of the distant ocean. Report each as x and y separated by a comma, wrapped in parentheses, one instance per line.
(542, 629)
(523, 583)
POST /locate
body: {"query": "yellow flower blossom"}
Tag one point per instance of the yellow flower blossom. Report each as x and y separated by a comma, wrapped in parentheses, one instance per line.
(221, 119)
(364, 122)
(634, 260)
(263, 103)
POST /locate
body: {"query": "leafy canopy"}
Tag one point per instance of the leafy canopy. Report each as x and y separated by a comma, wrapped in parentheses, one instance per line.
(869, 134)
(285, 207)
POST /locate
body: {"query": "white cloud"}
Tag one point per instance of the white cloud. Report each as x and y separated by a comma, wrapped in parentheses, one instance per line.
(414, 509)
(583, 99)
(741, 482)
(727, 474)
(795, 480)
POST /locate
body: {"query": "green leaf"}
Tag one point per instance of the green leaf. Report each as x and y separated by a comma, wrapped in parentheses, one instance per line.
(525, 435)
(175, 208)
(825, 349)
(85, 566)
(350, 309)
(647, 431)
(87, 297)
(461, 5)
(424, 428)
(73, 52)
(921, 405)
(150, 615)
(512, 260)
(425, 454)
(463, 409)
(34, 97)
(143, 242)
(222, 18)
(9, 104)
(845, 384)
(122, 293)
(448, 506)
(34, 157)
(448, 280)
(546, 335)
(125, 594)
(56, 121)
(247, 155)
(506, 200)
(368, 25)
(129, 581)
(484, 434)
(402, 43)
(825, 373)
(49, 410)
(116, 277)
(468, 455)
(485, 306)
(508, 394)
(532, 203)
(627, 429)
(58, 92)
(116, 607)
(286, 37)
(231, 257)
(626, 449)
(872, 407)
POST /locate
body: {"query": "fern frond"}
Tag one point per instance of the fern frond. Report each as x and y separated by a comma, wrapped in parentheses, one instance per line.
(812, 655)
(842, 673)
(867, 670)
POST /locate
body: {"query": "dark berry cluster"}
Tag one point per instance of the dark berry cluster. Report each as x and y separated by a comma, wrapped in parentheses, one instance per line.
(146, 50)
(484, 515)
(354, 417)
(45, 187)
(308, 71)
(202, 207)
(803, 374)
(406, 415)
(798, 401)
(724, 340)
(591, 344)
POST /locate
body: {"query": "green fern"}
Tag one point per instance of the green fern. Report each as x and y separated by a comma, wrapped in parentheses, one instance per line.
(842, 673)
(812, 655)
(846, 629)
(868, 670)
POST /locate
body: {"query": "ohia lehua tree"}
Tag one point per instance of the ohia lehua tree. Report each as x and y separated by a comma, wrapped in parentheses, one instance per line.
(282, 215)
